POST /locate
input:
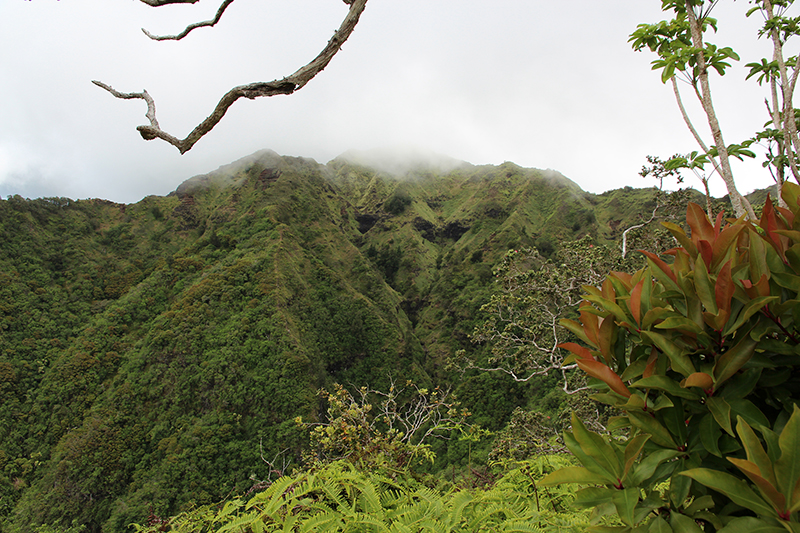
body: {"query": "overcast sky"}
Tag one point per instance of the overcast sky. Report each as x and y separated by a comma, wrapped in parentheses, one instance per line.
(540, 83)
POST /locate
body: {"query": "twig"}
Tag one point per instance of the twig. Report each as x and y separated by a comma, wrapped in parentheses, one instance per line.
(191, 27)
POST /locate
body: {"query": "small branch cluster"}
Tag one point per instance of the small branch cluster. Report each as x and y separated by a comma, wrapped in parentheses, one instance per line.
(522, 324)
(394, 425)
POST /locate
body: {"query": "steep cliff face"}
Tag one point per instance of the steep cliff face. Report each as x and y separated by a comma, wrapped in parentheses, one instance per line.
(152, 353)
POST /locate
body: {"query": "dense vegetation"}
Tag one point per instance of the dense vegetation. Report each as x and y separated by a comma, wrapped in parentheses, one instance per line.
(152, 353)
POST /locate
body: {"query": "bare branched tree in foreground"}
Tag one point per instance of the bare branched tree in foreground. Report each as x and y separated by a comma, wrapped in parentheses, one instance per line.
(286, 85)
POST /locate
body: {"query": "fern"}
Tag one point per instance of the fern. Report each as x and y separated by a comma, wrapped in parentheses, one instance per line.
(339, 498)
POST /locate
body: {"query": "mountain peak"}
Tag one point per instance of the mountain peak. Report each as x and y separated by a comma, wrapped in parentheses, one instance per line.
(400, 160)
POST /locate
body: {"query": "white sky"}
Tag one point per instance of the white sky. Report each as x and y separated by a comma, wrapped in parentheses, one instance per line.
(543, 84)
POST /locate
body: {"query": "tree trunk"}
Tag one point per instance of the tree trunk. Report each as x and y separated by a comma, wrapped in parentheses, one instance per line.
(740, 204)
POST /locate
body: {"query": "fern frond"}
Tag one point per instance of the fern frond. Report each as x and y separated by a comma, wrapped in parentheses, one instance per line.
(330, 521)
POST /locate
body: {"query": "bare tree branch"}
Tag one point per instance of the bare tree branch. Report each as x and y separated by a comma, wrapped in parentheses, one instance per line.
(287, 85)
(159, 3)
(191, 27)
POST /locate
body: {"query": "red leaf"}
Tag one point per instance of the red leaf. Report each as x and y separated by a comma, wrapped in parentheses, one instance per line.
(578, 350)
(590, 325)
(635, 302)
(651, 363)
(699, 223)
(598, 370)
(724, 288)
(661, 265)
(698, 379)
(718, 225)
(706, 251)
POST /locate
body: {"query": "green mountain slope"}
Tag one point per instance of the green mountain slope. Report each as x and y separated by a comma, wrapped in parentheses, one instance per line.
(151, 354)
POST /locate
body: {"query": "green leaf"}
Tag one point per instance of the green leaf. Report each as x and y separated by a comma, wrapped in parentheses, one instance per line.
(704, 287)
(750, 524)
(648, 424)
(679, 487)
(787, 468)
(597, 448)
(575, 474)
(722, 413)
(680, 323)
(663, 383)
(592, 497)
(733, 360)
(755, 452)
(734, 488)
(679, 360)
(749, 309)
(683, 524)
(710, 434)
(659, 525)
(632, 451)
(648, 465)
(625, 501)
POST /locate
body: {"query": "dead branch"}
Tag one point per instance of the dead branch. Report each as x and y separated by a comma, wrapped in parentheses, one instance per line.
(191, 27)
(158, 3)
(287, 85)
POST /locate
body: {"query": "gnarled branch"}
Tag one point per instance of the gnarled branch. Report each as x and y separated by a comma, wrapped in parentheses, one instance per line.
(158, 3)
(191, 27)
(287, 85)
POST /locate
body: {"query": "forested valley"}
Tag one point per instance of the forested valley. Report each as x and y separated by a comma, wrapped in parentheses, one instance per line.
(167, 355)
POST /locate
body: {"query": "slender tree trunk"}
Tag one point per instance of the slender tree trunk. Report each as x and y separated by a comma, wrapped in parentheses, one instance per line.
(740, 204)
(791, 139)
(699, 140)
(776, 122)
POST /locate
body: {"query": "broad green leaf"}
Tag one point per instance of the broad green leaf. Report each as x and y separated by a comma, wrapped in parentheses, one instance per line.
(625, 501)
(755, 452)
(679, 360)
(787, 281)
(709, 435)
(733, 360)
(704, 287)
(679, 487)
(758, 261)
(748, 410)
(680, 323)
(767, 489)
(592, 497)
(734, 488)
(663, 383)
(597, 448)
(648, 424)
(749, 309)
(648, 465)
(787, 468)
(750, 524)
(632, 451)
(683, 524)
(699, 504)
(724, 244)
(575, 474)
(721, 411)
(575, 328)
(659, 525)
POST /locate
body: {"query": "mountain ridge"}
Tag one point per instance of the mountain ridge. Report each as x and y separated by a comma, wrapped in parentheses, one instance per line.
(152, 353)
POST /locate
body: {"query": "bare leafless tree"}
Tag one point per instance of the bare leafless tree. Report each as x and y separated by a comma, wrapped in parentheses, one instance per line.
(286, 85)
